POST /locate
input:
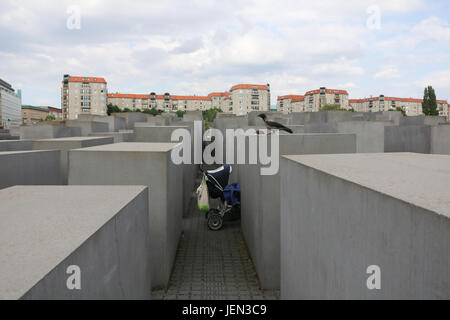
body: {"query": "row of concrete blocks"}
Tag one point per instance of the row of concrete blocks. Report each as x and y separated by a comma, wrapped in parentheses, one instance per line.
(406, 134)
(140, 164)
(321, 117)
(263, 197)
(91, 124)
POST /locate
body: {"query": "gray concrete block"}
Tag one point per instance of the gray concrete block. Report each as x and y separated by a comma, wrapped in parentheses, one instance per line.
(407, 139)
(30, 168)
(114, 123)
(369, 135)
(66, 144)
(412, 121)
(146, 164)
(117, 136)
(145, 132)
(341, 214)
(440, 139)
(102, 230)
(48, 131)
(88, 127)
(193, 116)
(131, 118)
(321, 127)
(15, 145)
(434, 120)
(260, 200)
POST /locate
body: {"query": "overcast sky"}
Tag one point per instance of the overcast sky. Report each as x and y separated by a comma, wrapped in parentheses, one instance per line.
(391, 47)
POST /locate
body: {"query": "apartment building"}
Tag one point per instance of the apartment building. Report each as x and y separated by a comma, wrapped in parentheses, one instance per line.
(33, 114)
(83, 95)
(313, 100)
(221, 100)
(10, 106)
(291, 103)
(57, 113)
(249, 97)
(240, 100)
(411, 106)
(164, 102)
(317, 99)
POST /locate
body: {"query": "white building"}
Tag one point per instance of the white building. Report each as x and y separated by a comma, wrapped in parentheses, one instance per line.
(10, 106)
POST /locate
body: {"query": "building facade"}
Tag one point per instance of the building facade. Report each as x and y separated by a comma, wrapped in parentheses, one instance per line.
(240, 100)
(411, 106)
(57, 113)
(83, 95)
(313, 100)
(33, 115)
(10, 106)
(291, 103)
(317, 99)
(249, 97)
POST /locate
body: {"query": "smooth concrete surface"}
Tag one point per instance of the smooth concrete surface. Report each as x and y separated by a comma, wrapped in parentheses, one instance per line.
(15, 145)
(341, 214)
(88, 127)
(30, 168)
(117, 136)
(48, 131)
(131, 118)
(260, 200)
(145, 132)
(114, 123)
(440, 139)
(66, 144)
(434, 120)
(146, 164)
(369, 135)
(101, 229)
(407, 138)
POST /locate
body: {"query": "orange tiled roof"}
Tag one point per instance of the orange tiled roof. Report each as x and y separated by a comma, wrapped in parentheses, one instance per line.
(191, 98)
(87, 79)
(293, 97)
(219, 94)
(393, 99)
(250, 86)
(129, 96)
(329, 91)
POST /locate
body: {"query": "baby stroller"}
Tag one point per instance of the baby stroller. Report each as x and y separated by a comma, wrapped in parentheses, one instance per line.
(218, 188)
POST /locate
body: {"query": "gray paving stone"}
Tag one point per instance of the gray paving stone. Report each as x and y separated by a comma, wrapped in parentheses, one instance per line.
(212, 265)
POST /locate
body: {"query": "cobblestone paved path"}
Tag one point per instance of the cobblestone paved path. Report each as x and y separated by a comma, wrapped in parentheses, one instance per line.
(212, 265)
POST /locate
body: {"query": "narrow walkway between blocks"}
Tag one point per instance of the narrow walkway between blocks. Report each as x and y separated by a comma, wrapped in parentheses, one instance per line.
(212, 265)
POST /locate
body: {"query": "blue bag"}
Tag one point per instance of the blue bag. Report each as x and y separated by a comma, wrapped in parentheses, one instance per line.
(232, 194)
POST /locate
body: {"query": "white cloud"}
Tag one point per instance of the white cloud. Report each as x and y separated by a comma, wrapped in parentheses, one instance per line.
(389, 72)
(194, 47)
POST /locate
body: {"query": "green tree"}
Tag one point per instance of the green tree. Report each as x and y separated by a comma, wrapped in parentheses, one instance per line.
(209, 116)
(152, 111)
(50, 117)
(180, 113)
(111, 108)
(429, 105)
(399, 109)
(127, 110)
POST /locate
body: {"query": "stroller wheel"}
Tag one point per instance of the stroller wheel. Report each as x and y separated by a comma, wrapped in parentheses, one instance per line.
(215, 221)
(207, 214)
